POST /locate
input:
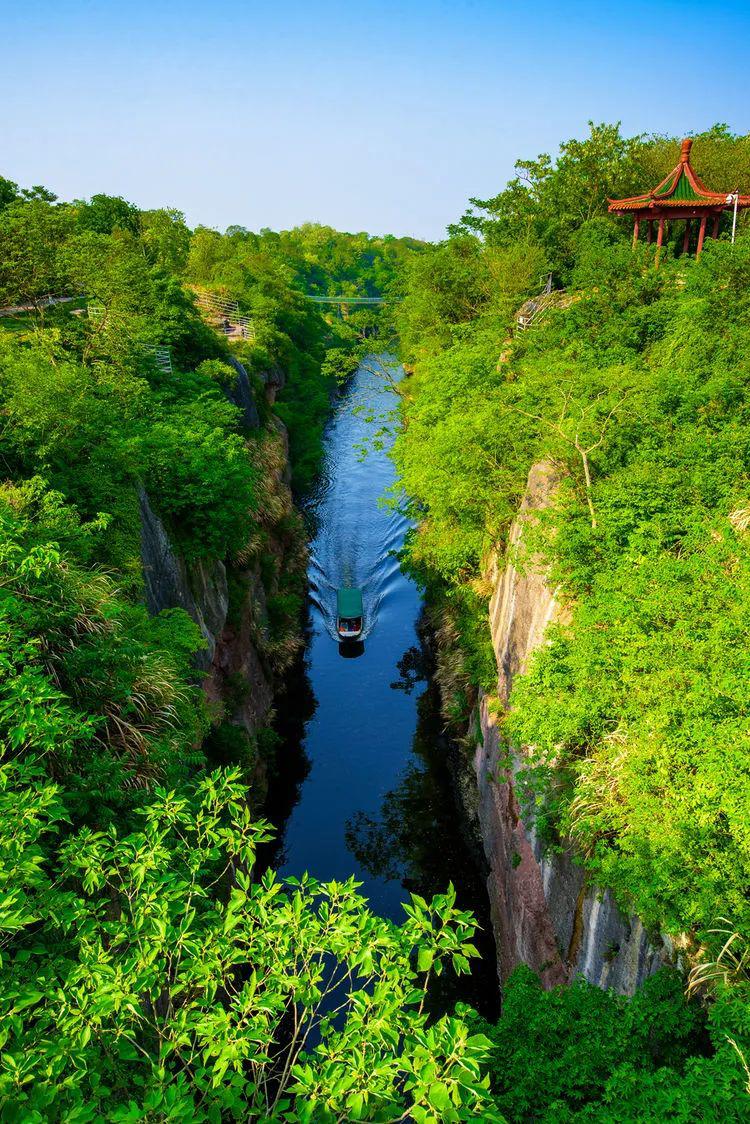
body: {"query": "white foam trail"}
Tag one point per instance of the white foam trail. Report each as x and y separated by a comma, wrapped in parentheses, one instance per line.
(357, 538)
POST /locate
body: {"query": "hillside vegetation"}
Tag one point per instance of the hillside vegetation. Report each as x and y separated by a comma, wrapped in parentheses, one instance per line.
(633, 718)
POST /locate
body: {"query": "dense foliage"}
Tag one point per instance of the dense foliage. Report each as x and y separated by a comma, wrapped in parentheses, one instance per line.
(633, 388)
(144, 972)
(578, 1053)
(131, 990)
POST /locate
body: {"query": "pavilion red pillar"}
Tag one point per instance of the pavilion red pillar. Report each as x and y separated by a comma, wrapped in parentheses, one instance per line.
(636, 229)
(715, 232)
(701, 234)
(650, 233)
(659, 238)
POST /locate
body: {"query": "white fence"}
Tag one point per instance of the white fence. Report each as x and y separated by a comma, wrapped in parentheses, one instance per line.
(225, 315)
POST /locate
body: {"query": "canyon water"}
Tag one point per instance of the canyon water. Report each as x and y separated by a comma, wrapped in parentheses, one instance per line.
(364, 784)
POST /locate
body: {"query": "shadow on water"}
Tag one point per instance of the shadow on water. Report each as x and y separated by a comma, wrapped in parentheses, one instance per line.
(295, 707)
(417, 838)
(364, 783)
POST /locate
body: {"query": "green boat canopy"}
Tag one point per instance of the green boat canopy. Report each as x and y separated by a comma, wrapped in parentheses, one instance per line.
(349, 603)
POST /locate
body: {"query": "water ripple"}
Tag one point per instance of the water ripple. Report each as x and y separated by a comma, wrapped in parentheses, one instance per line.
(357, 538)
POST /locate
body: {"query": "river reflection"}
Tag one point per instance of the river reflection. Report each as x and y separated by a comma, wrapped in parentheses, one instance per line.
(363, 784)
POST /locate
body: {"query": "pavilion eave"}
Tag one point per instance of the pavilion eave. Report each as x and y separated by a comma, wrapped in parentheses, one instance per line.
(680, 195)
(655, 211)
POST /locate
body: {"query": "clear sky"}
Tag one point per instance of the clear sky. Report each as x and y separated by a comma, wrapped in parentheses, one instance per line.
(383, 117)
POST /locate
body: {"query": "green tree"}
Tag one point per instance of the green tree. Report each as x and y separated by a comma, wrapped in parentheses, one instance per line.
(8, 192)
(31, 233)
(103, 214)
(166, 239)
(148, 975)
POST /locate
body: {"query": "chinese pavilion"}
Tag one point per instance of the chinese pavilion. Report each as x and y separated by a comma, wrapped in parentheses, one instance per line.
(680, 195)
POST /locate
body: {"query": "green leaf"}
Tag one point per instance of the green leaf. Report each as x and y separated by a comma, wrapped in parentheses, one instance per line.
(425, 957)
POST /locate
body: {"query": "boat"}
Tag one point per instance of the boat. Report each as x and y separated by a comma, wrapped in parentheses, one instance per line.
(349, 613)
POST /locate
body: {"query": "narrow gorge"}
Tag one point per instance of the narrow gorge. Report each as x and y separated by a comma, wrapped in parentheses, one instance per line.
(374, 688)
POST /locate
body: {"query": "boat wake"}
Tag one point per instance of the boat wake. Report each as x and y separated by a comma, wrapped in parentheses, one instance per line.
(358, 538)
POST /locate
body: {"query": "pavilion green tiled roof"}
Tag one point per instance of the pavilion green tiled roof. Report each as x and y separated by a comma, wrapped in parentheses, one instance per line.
(681, 188)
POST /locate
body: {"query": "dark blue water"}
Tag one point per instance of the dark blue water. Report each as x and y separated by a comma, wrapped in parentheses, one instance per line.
(364, 783)
(362, 730)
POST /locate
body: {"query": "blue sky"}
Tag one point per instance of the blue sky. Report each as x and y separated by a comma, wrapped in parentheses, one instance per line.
(368, 116)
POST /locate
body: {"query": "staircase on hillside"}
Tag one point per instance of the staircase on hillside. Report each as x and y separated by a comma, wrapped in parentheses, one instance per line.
(163, 359)
(224, 314)
(533, 311)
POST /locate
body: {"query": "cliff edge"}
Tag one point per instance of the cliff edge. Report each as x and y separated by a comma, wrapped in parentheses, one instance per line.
(544, 911)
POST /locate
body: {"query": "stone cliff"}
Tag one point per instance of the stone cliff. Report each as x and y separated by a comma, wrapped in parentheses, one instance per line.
(229, 599)
(544, 912)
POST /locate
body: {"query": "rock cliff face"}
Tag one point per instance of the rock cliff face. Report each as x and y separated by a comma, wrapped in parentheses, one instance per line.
(229, 602)
(233, 654)
(242, 395)
(200, 589)
(543, 911)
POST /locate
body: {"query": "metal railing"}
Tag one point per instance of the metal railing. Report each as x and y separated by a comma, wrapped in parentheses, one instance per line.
(533, 311)
(225, 315)
(163, 359)
(345, 300)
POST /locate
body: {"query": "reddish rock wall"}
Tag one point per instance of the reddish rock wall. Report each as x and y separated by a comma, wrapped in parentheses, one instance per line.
(543, 912)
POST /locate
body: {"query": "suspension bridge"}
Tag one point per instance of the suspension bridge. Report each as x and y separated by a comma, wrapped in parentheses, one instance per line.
(343, 299)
